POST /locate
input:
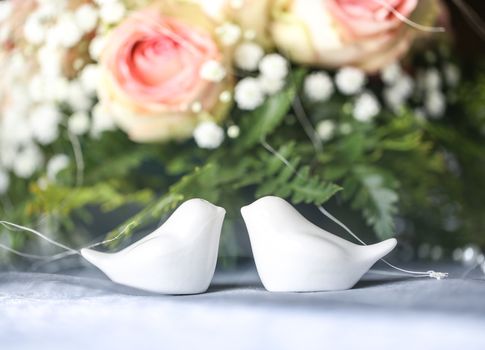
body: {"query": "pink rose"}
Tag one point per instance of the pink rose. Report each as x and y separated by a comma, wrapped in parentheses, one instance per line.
(334, 33)
(162, 71)
(365, 18)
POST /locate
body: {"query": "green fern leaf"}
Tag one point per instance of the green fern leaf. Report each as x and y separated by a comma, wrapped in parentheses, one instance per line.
(261, 122)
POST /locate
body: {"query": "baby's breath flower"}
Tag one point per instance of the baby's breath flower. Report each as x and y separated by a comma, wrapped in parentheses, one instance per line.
(248, 55)
(325, 129)
(249, 93)
(350, 80)
(212, 71)
(27, 161)
(78, 123)
(366, 107)
(55, 165)
(4, 181)
(208, 135)
(318, 86)
(273, 66)
(44, 122)
(229, 33)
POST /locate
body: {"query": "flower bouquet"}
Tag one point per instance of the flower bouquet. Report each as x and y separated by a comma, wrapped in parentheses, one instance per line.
(133, 106)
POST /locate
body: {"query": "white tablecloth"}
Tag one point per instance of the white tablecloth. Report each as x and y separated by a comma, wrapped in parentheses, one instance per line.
(83, 310)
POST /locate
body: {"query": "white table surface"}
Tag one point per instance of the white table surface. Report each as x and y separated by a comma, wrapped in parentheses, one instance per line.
(84, 310)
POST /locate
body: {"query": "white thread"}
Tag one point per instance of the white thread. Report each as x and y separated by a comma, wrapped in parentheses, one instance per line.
(109, 240)
(409, 22)
(78, 157)
(472, 15)
(50, 258)
(431, 274)
(306, 124)
(25, 255)
(7, 224)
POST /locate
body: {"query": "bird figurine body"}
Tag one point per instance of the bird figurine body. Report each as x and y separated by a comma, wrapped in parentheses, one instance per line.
(177, 258)
(294, 255)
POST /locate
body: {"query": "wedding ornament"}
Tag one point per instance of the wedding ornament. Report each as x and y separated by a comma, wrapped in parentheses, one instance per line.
(206, 81)
(292, 169)
(294, 255)
(177, 258)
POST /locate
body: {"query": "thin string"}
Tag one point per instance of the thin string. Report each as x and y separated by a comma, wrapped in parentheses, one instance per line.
(9, 225)
(24, 255)
(66, 254)
(437, 275)
(306, 123)
(470, 269)
(78, 157)
(50, 258)
(475, 20)
(392, 273)
(432, 274)
(408, 21)
(109, 240)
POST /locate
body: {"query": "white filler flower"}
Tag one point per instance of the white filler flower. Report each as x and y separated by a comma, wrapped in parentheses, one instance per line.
(249, 94)
(89, 78)
(112, 12)
(229, 33)
(86, 17)
(55, 165)
(452, 74)
(435, 104)
(28, 160)
(213, 71)
(271, 86)
(273, 67)
(391, 73)
(96, 47)
(233, 131)
(68, 32)
(397, 94)
(44, 122)
(77, 97)
(102, 121)
(4, 181)
(34, 29)
(318, 86)
(325, 129)
(248, 55)
(236, 4)
(366, 107)
(78, 123)
(5, 10)
(350, 80)
(432, 79)
(208, 135)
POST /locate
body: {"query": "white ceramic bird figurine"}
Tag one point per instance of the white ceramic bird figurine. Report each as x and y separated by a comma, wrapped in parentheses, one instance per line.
(294, 255)
(177, 258)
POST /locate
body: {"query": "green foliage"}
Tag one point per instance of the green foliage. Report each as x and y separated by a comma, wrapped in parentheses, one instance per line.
(119, 165)
(292, 181)
(397, 164)
(256, 125)
(374, 195)
(64, 200)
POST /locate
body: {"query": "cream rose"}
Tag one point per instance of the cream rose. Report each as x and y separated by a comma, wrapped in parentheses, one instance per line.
(252, 16)
(335, 33)
(163, 71)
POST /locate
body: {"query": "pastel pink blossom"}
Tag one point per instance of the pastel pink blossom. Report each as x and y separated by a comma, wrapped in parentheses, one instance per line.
(151, 75)
(333, 33)
(369, 17)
